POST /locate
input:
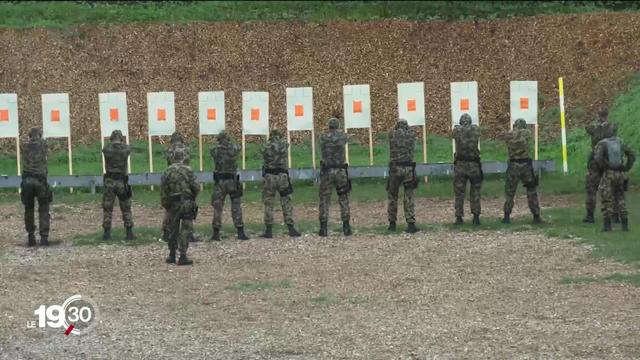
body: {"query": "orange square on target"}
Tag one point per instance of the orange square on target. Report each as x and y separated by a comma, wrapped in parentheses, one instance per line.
(211, 114)
(411, 105)
(55, 115)
(161, 114)
(255, 114)
(299, 110)
(4, 115)
(464, 104)
(357, 106)
(114, 114)
(524, 103)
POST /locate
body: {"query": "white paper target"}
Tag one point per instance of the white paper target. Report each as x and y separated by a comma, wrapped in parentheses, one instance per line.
(299, 108)
(161, 111)
(357, 106)
(113, 113)
(464, 99)
(524, 101)
(411, 103)
(211, 112)
(55, 115)
(255, 113)
(9, 127)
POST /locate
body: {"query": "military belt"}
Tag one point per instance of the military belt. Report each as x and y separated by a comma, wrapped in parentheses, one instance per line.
(467, 158)
(35, 176)
(217, 176)
(324, 166)
(276, 171)
(115, 176)
(402, 163)
(521, 161)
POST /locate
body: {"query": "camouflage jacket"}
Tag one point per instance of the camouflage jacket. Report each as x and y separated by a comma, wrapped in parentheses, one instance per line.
(35, 157)
(601, 155)
(175, 148)
(225, 157)
(466, 139)
(518, 144)
(115, 157)
(178, 183)
(274, 153)
(332, 145)
(599, 131)
(402, 143)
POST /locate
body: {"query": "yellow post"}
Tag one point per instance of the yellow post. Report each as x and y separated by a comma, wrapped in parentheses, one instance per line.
(563, 129)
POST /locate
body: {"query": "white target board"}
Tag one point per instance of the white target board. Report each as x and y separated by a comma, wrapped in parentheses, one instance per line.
(55, 115)
(357, 106)
(411, 103)
(161, 110)
(524, 101)
(299, 108)
(464, 100)
(255, 113)
(9, 116)
(113, 113)
(211, 113)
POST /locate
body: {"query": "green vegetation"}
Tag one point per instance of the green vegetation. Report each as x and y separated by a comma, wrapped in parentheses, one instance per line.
(66, 14)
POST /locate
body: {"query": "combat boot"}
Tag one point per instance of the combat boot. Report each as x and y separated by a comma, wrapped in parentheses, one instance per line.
(241, 234)
(476, 219)
(536, 220)
(606, 227)
(106, 234)
(411, 228)
(346, 228)
(165, 236)
(506, 219)
(323, 229)
(31, 240)
(625, 224)
(130, 235)
(292, 231)
(44, 240)
(171, 259)
(268, 232)
(459, 220)
(589, 219)
(392, 226)
(615, 219)
(182, 260)
(216, 234)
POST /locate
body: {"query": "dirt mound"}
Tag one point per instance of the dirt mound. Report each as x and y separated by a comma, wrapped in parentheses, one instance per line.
(594, 52)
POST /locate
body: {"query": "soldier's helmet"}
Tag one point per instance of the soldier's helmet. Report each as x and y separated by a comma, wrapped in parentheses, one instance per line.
(176, 138)
(35, 133)
(465, 119)
(603, 114)
(116, 136)
(520, 124)
(334, 123)
(223, 137)
(402, 124)
(275, 133)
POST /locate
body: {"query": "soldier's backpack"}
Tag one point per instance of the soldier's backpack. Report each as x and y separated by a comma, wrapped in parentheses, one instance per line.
(614, 152)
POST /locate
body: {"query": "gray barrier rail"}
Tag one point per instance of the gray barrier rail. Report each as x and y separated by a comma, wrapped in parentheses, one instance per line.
(436, 169)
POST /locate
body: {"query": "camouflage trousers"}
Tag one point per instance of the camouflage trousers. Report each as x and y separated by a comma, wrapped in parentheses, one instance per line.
(32, 189)
(180, 225)
(271, 185)
(516, 173)
(115, 189)
(467, 171)
(592, 182)
(612, 194)
(401, 176)
(338, 179)
(221, 189)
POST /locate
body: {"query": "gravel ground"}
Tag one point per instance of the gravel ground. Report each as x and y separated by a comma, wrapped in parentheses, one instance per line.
(434, 295)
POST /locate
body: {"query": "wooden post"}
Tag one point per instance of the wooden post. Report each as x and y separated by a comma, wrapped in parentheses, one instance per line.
(535, 141)
(289, 148)
(18, 165)
(151, 157)
(244, 158)
(201, 161)
(424, 148)
(104, 165)
(129, 158)
(346, 147)
(313, 148)
(70, 159)
(370, 146)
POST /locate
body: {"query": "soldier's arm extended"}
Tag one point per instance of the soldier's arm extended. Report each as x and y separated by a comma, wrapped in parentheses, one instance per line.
(631, 157)
(193, 184)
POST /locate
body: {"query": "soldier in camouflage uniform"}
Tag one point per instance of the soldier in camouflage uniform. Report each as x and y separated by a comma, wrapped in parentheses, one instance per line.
(178, 191)
(34, 186)
(334, 174)
(226, 182)
(609, 155)
(177, 145)
(116, 185)
(467, 167)
(276, 180)
(520, 169)
(597, 130)
(402, 171)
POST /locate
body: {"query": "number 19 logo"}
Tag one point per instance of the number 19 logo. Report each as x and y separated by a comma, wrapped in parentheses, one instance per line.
(76, 315)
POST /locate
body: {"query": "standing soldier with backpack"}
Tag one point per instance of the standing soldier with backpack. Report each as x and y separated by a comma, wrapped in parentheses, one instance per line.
(276, 180)
(116, 184)
(609, 155)
(34, 186)
(402, 171)
(467, 167)
(177, 146)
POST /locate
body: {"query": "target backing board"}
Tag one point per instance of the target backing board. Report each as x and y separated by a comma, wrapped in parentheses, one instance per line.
(211, 112)
(255, 113)
(161, 113)
(113, 113)
(411, 103)
(357, 106)
(9, 127)
(55, 115)
(524, 101)
(464, 99)
(299, 108)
